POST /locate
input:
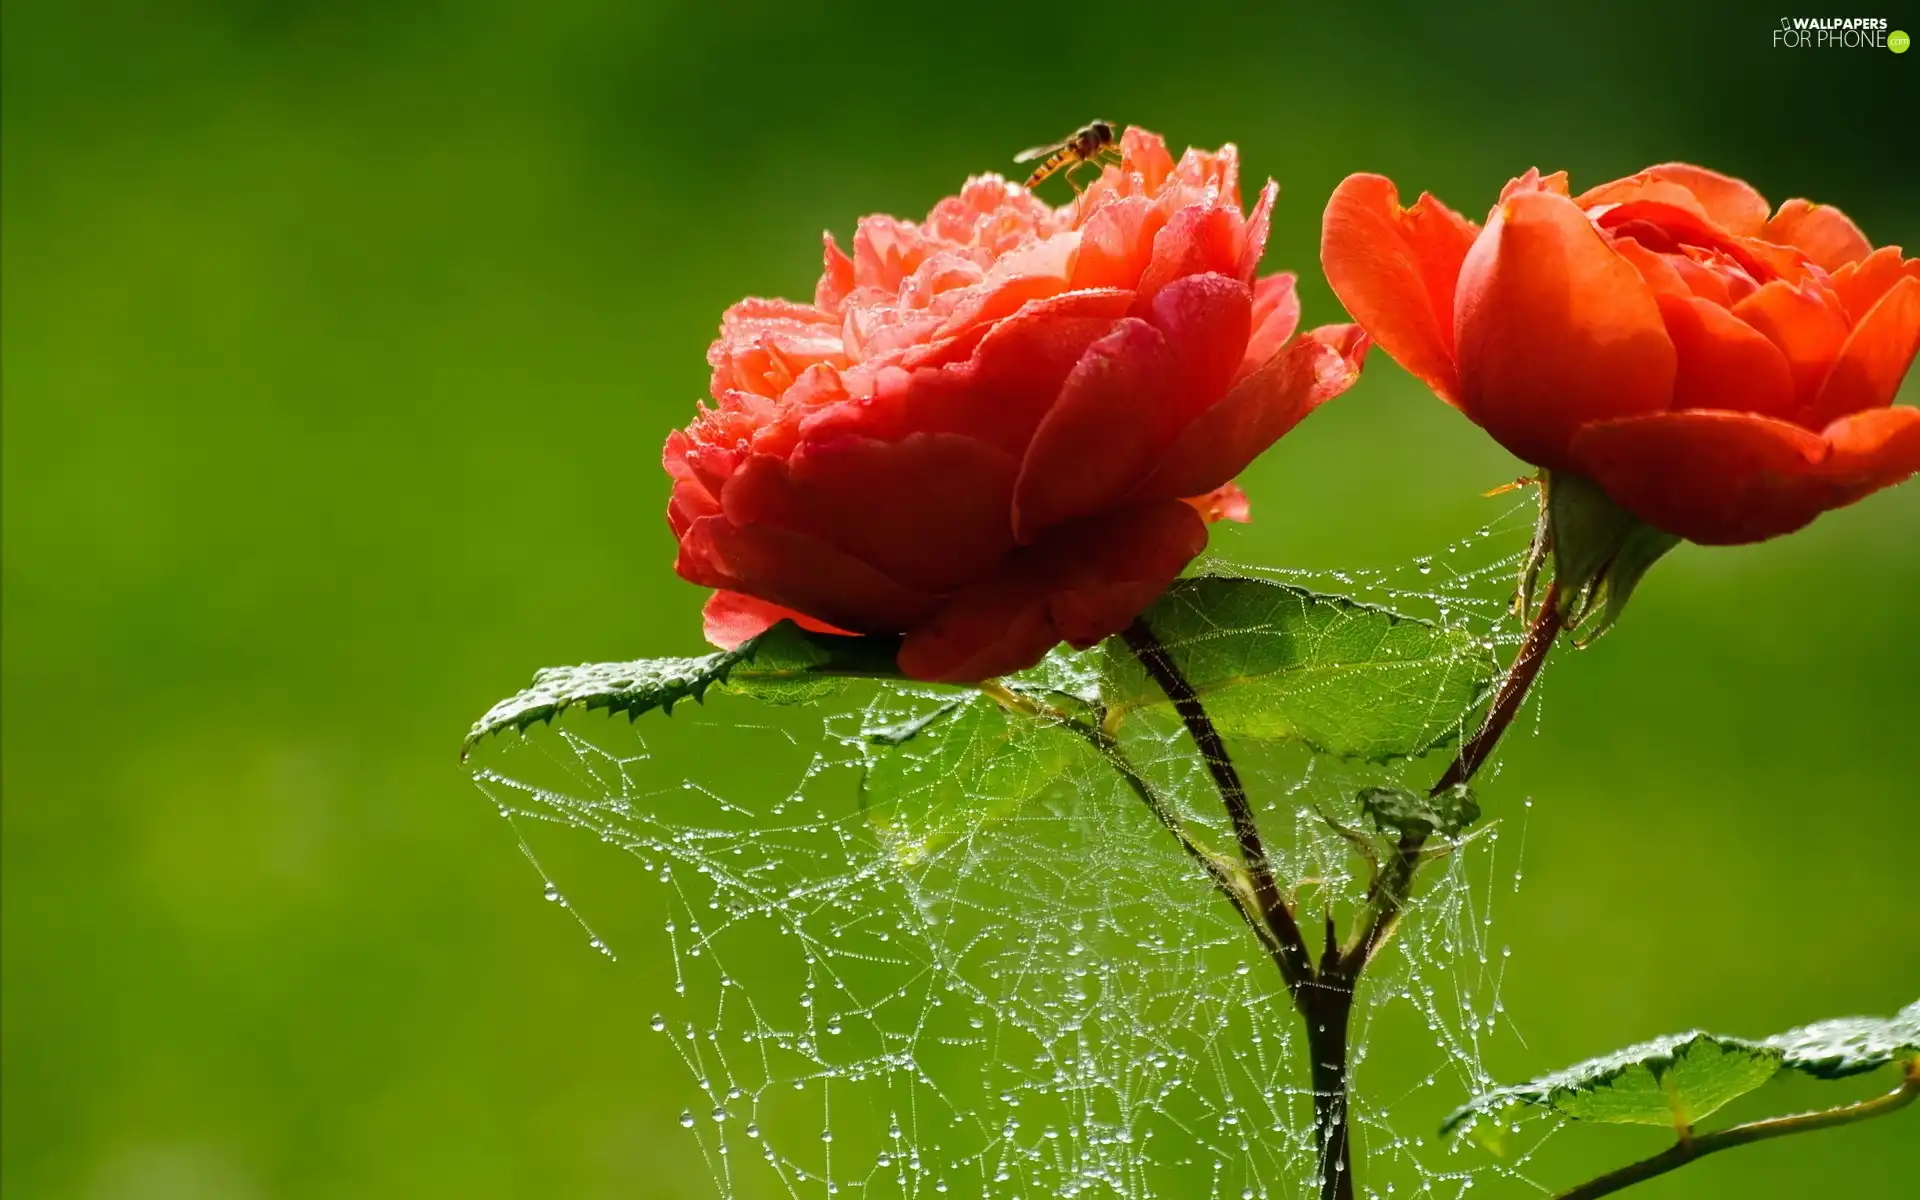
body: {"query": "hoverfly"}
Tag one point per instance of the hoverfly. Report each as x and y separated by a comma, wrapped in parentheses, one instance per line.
(1091, 143)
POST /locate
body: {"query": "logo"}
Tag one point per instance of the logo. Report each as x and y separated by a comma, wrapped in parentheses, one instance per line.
(1838, 33)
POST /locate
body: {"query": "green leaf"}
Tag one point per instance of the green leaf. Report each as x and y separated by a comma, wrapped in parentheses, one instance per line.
(1401, 811)
(1850, 1045)
(784, 664)
(1268, 660)
(1279, 662)
(941, 775)
(1679, 1079)
(1674, 1081)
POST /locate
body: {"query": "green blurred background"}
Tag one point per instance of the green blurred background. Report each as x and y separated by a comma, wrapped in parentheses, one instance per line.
(339, 343)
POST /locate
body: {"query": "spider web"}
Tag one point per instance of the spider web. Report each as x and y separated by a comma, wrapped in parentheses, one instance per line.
(1052, 1001)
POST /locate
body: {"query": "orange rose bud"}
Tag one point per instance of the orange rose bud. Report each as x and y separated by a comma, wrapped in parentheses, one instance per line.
(1679, 363)
(1003, 427)
(1723, 375)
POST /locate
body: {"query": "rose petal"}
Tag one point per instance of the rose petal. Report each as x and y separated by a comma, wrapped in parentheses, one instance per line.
(1555, 330)
(1252, 416)
(1117, 566)
(1871, 450)
(1661, 272)
(1638, 190)
(991, 214)
(1276, 314)
(1197, 239)
(1144, 153)
(1705, 281)
(689, 502)
(1733, 204)
(798, 572)
(1861, 284)
(1090, 449)
(1722, 362)
(885, 251)
(768, 363)
(999, 394)
(1207, 320)
(1033, 272)
(1533, 181)
(1874, 360)
(764, 344)
(1807, 326)
(1116, 243)
(1820, 231)
(836, 276)
(1716, 478)
(1218, 170)
(1259, 222)
(1395, 269)
(731, 618)
(1081, 583)
(1730, 203)
(1675, 228)
(870, 499)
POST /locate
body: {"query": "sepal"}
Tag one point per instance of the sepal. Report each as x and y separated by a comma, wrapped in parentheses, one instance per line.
(1600, 553)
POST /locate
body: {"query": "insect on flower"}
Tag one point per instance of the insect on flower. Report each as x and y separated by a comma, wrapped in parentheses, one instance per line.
(1081, 452)
(1093, 143)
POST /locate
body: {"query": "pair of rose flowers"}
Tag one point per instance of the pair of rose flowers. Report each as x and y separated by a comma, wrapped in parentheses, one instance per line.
(1009, 426)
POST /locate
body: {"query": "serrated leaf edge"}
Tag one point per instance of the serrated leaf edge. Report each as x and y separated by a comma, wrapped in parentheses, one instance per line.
(1544, 1091)
(674, 680)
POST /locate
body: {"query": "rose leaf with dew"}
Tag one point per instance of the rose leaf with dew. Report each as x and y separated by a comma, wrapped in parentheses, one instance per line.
(1269, 661)
(1276, 662)
(935, 778)
(1397, 810)
(1678, 1080)
(1849, 1046)
(786, 664)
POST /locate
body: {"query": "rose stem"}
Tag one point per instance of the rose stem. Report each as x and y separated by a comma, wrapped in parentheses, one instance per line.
(1293, 958)
(1390, 887)
(1326, 1024)
(1109, 748)
(1324, 995)
(1513, 690)
(1330, 1008)
(1681, 1153)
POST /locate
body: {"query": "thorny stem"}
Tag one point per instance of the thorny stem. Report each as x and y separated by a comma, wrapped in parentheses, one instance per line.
(1689, 1149)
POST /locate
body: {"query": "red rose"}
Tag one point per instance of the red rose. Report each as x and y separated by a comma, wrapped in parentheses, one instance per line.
(1724, 376)
(1001, 428)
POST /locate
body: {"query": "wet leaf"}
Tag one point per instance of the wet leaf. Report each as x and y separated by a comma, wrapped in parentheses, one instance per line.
(1674, 1081)
(940, 776)
(785, 664)
(1401, 811)
(1679, 1079)
(1850, 1045)
(1278, 662)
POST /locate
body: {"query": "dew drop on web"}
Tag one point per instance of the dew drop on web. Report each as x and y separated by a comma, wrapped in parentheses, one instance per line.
(1051, 1002)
